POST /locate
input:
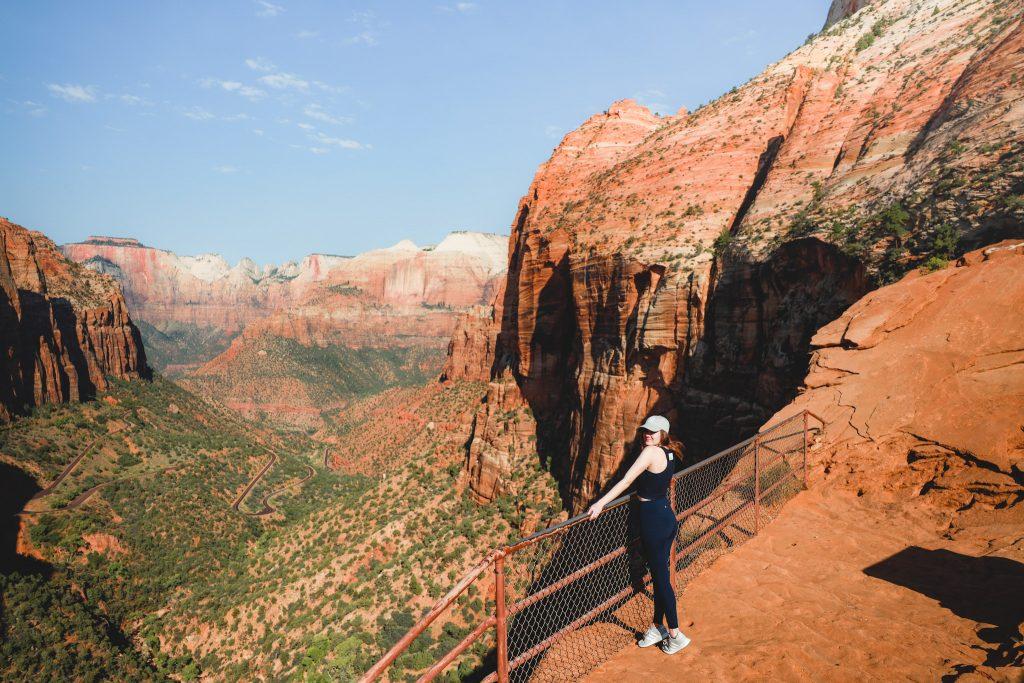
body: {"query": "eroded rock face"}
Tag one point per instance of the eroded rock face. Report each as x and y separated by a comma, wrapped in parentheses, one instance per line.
(63, 329)
(921, 387)
(681, 264)
(840, 9)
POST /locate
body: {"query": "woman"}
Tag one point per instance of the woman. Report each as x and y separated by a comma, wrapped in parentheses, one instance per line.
(652, 472)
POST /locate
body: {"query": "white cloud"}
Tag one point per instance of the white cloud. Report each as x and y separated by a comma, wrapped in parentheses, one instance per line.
(306, 126)
(283, 81)
(258, 131)
(319, 150)
(134, 100)
(129, 99)
(71, 92)
(371, 28)
(317, 113)
(198, 114)
(259, 64)
(31, 107)
(344, 143)
(236, 117)
(368, 38)
(458, 7)
(268, 9)
(306, 35)
(327, 87)
(226, 169)
(246, 91)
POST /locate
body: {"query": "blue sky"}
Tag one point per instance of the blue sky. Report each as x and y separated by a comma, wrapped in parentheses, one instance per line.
(274, 129)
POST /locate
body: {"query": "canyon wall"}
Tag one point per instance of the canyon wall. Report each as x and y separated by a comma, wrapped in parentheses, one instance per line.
(364, 327)
(63, 329)
(681, 264)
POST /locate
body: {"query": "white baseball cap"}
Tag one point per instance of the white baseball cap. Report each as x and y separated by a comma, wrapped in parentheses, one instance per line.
(655, 423)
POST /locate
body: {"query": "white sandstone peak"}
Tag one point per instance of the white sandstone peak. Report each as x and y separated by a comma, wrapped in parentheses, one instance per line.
(404, 245)
(206, 267)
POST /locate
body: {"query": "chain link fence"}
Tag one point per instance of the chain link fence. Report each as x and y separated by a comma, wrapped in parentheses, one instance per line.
(571, 596)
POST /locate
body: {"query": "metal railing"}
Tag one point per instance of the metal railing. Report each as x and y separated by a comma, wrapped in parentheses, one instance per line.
(570, 596)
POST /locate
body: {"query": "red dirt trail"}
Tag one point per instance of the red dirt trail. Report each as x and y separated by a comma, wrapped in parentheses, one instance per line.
(843, 589)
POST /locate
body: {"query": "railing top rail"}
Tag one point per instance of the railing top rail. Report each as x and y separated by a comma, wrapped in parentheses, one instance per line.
(562, 526)
(435, 611)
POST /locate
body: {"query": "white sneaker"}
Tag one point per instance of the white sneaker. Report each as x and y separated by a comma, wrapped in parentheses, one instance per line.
(653, 636)
(674, 644)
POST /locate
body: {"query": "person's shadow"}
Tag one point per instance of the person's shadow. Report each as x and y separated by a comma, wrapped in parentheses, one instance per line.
(987, 589)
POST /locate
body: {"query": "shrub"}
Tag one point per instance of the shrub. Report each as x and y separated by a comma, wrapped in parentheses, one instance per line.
(865, 41)
(723, 240)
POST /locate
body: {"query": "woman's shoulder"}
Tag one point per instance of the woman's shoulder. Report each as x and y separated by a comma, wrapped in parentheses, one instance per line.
(651, 451)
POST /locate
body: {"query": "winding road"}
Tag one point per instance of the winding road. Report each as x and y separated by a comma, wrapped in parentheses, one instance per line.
(255, 480)
(74, 463)
(267, 507)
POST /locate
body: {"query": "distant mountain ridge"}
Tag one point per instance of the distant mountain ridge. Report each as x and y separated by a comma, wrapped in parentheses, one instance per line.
(204, 290)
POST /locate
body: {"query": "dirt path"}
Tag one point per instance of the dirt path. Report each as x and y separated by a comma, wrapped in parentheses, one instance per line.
(839, 589)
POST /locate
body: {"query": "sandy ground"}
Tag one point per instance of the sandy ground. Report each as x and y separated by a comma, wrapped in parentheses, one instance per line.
(841, 589)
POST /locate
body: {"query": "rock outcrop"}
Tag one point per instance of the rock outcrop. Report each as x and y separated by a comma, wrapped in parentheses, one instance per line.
(840, 9)
(63, 329)
(681, 264)
(921, 386)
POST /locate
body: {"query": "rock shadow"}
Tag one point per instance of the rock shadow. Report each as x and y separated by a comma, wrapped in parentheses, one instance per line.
(16, 489)
(988, 590)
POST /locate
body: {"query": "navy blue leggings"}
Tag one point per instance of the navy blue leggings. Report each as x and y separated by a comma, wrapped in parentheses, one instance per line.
(658, 529)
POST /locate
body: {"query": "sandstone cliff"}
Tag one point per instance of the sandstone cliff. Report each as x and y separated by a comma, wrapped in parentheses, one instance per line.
(681, 264)
(162, 287)
(63, 329)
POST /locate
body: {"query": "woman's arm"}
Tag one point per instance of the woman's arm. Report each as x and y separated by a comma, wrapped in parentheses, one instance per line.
(642, 462)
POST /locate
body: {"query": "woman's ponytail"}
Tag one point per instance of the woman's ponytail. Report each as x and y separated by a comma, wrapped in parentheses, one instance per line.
(670, 443)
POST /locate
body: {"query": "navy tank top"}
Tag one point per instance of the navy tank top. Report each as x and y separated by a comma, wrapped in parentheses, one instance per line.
(652, 485)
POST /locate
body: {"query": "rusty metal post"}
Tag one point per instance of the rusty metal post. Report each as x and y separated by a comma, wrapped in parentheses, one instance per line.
(757, 484)
(672, 552)
(501, 623)
(805, 449)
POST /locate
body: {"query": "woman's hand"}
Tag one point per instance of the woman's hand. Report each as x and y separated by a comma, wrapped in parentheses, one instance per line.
(595, 510)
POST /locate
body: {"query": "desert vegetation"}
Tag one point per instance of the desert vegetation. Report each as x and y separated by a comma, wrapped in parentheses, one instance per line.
(184, 586)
